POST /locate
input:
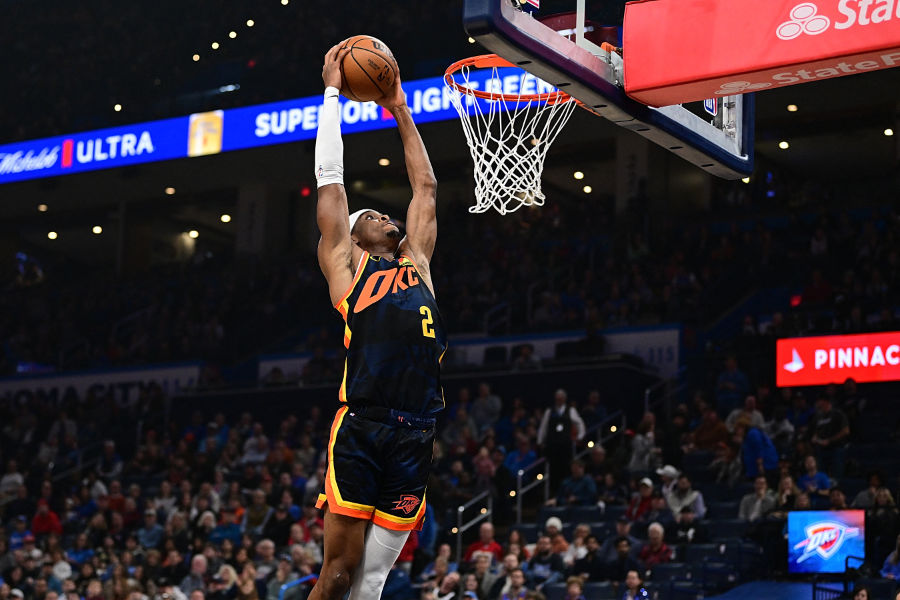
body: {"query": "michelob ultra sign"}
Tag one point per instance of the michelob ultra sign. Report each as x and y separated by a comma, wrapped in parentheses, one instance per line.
(835, 358)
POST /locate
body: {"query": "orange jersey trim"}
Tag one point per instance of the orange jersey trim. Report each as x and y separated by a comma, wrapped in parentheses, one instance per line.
(336, 503)
(342, 306)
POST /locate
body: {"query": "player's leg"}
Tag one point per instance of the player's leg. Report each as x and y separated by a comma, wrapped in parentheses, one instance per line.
(344, 543)
(382, 548)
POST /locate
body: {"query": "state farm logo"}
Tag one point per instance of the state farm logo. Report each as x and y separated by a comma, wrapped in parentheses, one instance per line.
(804, 19)
(733, 88)
(824, 538)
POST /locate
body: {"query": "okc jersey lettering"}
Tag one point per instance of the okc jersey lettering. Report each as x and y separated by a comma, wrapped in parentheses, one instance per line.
(395, 338)
(384, 280)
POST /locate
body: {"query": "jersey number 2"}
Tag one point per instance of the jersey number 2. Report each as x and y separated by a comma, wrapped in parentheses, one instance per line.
(427, 329)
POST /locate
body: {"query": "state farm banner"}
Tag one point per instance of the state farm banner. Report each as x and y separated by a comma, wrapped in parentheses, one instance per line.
(685, 50)
(835, 358)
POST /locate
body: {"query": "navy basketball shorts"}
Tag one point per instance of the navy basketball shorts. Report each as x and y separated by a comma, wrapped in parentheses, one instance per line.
(378, 466)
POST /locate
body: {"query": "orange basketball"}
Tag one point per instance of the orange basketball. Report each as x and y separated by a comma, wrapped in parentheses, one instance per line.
(368, 69)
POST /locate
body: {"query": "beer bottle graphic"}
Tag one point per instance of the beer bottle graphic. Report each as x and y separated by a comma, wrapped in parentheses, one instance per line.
(205, 133)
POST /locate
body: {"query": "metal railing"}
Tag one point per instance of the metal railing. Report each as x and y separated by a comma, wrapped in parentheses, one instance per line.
(485, 513)
(613, 425)
(525, 484)
(497, 317)
(665, 383)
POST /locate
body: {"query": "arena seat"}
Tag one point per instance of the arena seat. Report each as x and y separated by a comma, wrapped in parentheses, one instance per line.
(555, 591)
(585, 514)
(529, 531)
(722, 510)
(545, 512)
(601, 590)
(723, 529)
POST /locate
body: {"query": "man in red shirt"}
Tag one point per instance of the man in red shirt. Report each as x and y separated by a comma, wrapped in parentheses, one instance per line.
(655, 550)
(486, 544)
(45, 521)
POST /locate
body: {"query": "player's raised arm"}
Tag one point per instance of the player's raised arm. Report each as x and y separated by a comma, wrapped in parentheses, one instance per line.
(335, 247)
(421, 221)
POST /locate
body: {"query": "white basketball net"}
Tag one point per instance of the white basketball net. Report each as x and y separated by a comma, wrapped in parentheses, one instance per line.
(508, 137)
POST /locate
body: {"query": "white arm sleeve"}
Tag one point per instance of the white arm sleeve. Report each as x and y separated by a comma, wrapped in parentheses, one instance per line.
(329, 145)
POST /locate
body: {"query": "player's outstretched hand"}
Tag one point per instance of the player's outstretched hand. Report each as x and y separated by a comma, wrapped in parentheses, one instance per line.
(396, 97)
(331, 70)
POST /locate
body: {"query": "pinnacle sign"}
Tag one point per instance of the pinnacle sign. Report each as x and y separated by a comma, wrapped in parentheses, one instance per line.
(738, 46)
(834, 359)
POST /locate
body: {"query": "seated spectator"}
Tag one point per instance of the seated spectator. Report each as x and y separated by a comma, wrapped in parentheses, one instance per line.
(284, 574)
(522, 457)
(640, 502)
(486, 544)
(526, 360)
(830, 434)
(577, 489)
(891, 568)
(687, 530)
(257, 514)
(516, 589)
(780, 430)
(591, 565)
(151, 534)
(813, 481)
(634, 586)
(800, 413)
(196, 578)
(659, 511)
(655, 551)
(608, 551)
(578, 548)
(623, 562)
(757, 450)
(727, 465)
(837, 499)
(685, 495)
(866, 498)
(759, 503)
(574, 588)
(611, 492)
(748, 412)
(485, 577)
(45, 522)
(668, 475)
(503, 580)
(709, 433)
(884, 521)
(545, 566)
(553, 529)
(643, 448)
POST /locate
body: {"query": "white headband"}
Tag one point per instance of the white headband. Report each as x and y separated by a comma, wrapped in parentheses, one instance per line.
(355, 216)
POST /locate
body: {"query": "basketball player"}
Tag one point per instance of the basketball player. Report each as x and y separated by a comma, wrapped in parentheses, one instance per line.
(379, 450)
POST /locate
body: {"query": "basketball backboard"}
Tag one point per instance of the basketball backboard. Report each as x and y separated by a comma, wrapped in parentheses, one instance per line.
(717, 136)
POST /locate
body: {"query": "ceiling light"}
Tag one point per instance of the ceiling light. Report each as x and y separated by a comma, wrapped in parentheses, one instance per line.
(578, 175)
(232, 34)
(587, 189)
(42, 208)
(215, 45)
(170, 191)
(746, 180)
(117, 107)
(471, 40)
(196, 57)
(52, 235)
(285, 2)
(97, 229)
(193, 234)
(889, 132)
(792, 108)
(783, 145)
(384, 161)
(226, 218)
(250, 23)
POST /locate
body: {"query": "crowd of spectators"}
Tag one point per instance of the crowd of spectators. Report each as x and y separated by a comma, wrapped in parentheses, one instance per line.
(225, 508)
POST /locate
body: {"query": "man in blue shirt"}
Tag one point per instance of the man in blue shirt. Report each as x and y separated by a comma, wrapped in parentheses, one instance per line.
(731, 387)
(151, 534)
(758, 451)
(17, 537)
(577, 490)
(814, 482)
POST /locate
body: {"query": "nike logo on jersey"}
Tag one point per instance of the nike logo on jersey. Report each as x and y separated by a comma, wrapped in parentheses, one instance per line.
(380, 283)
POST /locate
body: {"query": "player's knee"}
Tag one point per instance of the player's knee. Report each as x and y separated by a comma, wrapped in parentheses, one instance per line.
(335, 581)
(372, 582)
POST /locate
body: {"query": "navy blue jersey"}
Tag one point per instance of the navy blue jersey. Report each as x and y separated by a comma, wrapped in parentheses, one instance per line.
(395, 338)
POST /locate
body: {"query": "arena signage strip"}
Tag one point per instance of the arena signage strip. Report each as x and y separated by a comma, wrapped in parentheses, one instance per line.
(223, 131)
(833, 359)
(711, 48)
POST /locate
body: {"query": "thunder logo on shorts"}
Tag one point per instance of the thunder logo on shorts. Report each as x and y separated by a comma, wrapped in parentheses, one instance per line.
(395, 339)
